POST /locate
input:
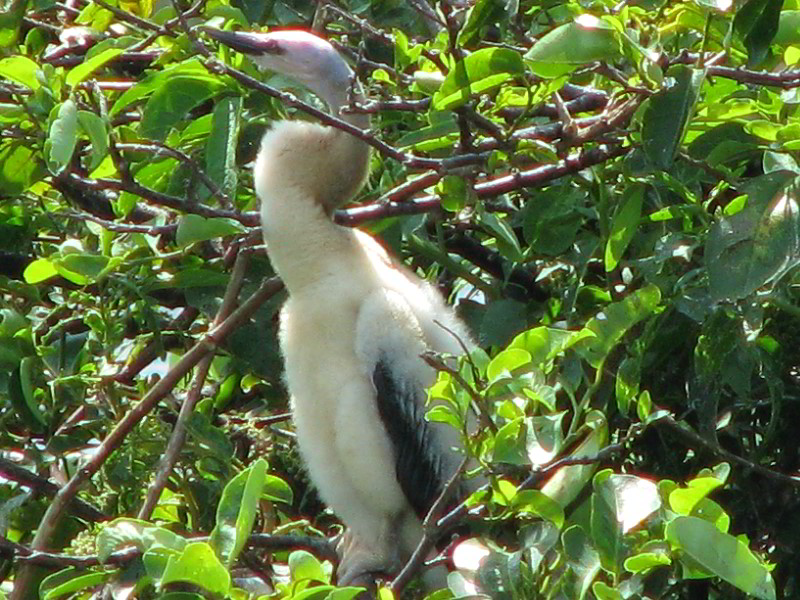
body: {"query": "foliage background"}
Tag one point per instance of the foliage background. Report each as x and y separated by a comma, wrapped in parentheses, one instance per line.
(616, 178)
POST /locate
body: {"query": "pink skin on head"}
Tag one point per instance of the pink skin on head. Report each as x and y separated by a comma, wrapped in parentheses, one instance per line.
(310, 60)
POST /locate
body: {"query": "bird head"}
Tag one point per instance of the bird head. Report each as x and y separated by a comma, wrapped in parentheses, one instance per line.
(298, 54)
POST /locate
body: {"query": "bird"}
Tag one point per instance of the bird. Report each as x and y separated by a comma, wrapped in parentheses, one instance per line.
(356, 323)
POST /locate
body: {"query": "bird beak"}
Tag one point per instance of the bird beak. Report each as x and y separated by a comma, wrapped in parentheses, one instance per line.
(251, 44)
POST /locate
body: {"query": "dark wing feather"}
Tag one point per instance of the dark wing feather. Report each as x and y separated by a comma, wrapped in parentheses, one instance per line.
(418, 464)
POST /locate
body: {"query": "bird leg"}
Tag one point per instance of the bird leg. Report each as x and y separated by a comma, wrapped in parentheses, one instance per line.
(362, 564)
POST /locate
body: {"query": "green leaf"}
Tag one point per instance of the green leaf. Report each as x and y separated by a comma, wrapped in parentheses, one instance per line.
(443, 413)
(83, 70)
(552, 220)
(509, 444)
(573, 45)
(20, 69)
(194, 228)
(454, 192)
(10, 21)
(537, 503)
(221, 146)
(277, 490)
(667, 115)
(237, 511)
(124, 532)
(483, 13)
(505, 238)
(721, 554)
(603, 591)
(11, 322)
(439, 134)
(683, 500)
(644, 406)
(89, 265)
(171, 101)
(198, 565)
(304, 566)
(583, 560)
(626, 383)
(502, 320)
(39, 270)
(63, 136)
(759, 244)
(69, 581)
(624, 225)
(606, 531)
(757, 23)
(611, 324)
(22, 392)
(788, 28)
(499, 576)
(644, 561)
(506, 362)
(345, 593)
(191, 68)
(479, 72)
(155, 561)
(545, 343)
(620, 503)
(94, 127)
(544, 437)
(567, 482)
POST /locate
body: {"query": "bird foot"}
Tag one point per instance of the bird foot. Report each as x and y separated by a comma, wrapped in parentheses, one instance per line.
(362, 565)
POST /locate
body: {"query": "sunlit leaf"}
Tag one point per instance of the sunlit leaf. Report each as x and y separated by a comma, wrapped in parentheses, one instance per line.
(20, 69)
(221, 146)
(198, 565)
(611, 324)
(63, 136)
(723, 555)
(85, 69)
(570, 46)
(172, 100)
(70, 580)
(237, 511)
(479, 72)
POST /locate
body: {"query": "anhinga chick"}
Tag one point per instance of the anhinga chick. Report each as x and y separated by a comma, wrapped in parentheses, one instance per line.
(355, 325)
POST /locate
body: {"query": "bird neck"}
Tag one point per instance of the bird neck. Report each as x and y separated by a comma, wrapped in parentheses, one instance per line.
(302, 241)
(338, 95)
(303, 172)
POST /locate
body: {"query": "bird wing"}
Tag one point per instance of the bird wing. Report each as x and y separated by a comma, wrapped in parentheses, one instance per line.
(389, 342)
